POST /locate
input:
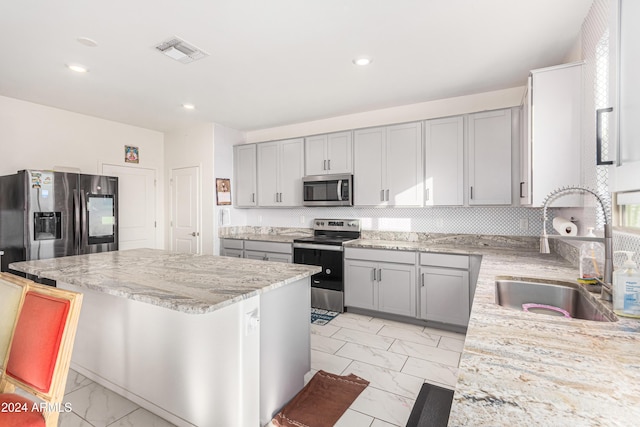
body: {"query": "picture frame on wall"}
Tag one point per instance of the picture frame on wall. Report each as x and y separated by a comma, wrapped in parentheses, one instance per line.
(131, 154)
(223, 191)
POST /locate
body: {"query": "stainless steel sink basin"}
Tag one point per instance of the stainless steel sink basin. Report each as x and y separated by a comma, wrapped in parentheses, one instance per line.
(551, 297)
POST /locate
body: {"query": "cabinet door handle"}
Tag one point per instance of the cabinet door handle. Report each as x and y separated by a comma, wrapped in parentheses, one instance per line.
(379, 275)
(471, 193)
(329, 164)
(599, 160)
(521, 192)
(382, 195)
(253, 197)
(422, 279)
(387, 196)
(324, 165)
(373, 274)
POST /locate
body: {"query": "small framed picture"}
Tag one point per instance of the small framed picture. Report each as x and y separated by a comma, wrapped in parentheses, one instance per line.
(223, 191)
(131, 154)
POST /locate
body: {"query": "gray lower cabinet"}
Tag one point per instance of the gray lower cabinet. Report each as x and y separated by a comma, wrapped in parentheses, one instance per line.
(268, 251)
(444, 289)
(374, 284)
(257, 249)
(232, 247)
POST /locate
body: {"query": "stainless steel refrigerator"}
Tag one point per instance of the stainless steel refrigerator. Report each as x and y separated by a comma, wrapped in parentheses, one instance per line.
(46, 214)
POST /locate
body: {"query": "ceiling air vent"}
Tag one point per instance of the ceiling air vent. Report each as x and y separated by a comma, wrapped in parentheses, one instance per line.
(181, 51)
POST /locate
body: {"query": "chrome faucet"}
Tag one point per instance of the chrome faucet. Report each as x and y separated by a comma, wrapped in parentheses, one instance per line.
(608, 240)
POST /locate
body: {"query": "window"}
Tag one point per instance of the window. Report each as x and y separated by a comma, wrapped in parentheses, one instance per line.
(628, 209)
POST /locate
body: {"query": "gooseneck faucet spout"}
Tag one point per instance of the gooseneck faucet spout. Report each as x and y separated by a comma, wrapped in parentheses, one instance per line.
(608, 240)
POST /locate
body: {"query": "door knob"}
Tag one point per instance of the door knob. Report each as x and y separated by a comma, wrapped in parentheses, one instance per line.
(194, 234)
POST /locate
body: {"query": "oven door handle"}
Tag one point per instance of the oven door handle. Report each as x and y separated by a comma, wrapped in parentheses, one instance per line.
(339, 190)
(334, 248)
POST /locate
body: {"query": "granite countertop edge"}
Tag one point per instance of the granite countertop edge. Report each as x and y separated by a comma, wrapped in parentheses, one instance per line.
(134, 280)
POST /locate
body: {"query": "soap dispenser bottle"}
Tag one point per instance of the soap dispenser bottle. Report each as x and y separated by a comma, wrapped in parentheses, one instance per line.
(591, 259)
(626, 288)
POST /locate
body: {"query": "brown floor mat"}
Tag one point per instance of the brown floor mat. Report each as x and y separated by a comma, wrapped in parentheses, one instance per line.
(322, 401)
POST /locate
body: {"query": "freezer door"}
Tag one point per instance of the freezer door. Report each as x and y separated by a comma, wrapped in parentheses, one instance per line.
(98, 214)
(12, 219)
(49, 219)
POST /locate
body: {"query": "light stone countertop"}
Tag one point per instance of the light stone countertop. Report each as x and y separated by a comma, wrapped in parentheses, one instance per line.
(278, 238)
(528, 369)
(189, 283)
(520, 368)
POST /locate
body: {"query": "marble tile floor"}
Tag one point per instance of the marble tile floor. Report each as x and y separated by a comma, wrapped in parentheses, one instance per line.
(396, 358)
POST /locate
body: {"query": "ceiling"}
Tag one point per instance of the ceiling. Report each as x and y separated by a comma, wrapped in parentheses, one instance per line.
(274, 62)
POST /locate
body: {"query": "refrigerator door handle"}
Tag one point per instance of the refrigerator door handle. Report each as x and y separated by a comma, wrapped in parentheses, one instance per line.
(76, 221)
(83, 223)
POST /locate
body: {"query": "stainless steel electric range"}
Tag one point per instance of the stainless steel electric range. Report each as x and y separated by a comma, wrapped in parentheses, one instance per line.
(324, 249)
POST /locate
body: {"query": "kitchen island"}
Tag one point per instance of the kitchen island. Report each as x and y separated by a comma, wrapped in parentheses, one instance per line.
(199, 340)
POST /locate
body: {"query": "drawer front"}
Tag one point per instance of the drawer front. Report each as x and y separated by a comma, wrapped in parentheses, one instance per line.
(445, 260)
(257, 245)
(236, 253)
(232, 243)
(380, 255)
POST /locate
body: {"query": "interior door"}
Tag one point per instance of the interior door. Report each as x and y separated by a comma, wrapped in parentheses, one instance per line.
(137, 214)
(185, 208)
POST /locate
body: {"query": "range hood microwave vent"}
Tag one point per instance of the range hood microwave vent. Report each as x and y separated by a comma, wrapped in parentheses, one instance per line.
(181, 51)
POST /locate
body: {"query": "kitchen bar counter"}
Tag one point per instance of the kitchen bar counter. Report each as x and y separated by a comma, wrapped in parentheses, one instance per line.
(188, 283)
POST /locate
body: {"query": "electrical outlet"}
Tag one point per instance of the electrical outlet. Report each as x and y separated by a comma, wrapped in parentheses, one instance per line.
(524, 224)
(302, 219)
(251, 322)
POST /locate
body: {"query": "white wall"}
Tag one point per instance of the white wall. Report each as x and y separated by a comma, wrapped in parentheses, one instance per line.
(224, 140)
(406, 113)
(186, 148)
(34, 136)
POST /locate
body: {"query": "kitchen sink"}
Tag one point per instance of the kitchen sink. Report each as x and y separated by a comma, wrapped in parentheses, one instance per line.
(556, 298)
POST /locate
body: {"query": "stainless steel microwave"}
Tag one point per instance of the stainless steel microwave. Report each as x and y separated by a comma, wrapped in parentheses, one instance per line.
(327, 190)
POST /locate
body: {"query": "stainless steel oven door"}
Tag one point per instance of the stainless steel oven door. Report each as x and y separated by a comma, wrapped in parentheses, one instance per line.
(327, 287)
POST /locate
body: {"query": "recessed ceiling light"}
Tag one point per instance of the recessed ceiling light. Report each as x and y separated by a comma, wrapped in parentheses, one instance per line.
(77, 68)
(87, 41)
(362, 61)
(188, 106)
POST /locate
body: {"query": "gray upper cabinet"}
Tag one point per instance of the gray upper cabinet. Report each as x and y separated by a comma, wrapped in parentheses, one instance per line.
(490, 158)
(444, 161)
(280, 171)
(625, 93)
(328, 154)
(245, 175)
(550, 152)
(388, 166)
